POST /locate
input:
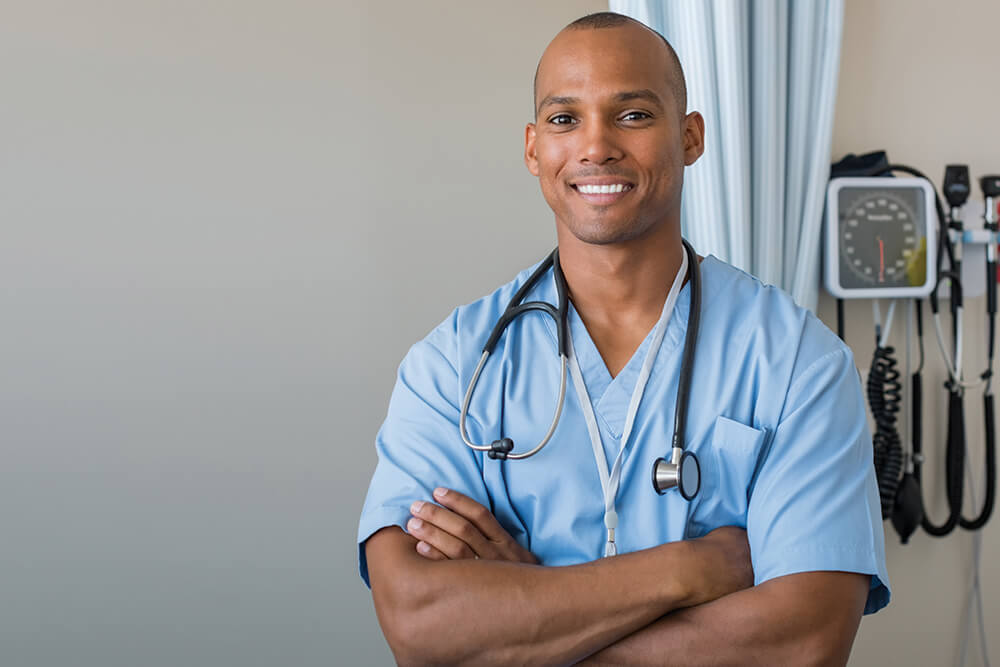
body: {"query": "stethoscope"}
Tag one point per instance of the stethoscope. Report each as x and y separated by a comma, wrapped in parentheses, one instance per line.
(682, 470)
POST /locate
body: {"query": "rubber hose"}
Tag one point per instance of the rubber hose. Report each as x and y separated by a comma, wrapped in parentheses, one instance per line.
(991, 470)
(953, 465)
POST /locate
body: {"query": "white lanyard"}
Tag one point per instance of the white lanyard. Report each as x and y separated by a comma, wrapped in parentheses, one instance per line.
(610, 481)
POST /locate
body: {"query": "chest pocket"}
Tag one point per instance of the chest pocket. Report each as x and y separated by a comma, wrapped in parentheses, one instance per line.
(728, 464)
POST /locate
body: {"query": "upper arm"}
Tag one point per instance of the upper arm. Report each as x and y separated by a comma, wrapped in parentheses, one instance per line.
(391, 559)
(814, 505)
(418, 446)
(826, 607)
(403, 584)
(809, 618)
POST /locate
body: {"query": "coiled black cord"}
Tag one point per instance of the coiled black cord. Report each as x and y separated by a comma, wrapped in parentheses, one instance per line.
(884, 398)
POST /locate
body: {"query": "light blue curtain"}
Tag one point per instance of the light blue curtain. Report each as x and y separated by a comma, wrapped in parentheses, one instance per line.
(763, 73)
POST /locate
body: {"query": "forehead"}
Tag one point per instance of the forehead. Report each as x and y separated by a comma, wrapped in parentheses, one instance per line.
(592, 62)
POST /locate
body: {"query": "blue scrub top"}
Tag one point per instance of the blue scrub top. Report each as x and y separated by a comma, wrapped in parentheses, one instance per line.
(776, 418)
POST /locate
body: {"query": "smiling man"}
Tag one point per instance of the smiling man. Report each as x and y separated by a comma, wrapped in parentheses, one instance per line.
(570, 555)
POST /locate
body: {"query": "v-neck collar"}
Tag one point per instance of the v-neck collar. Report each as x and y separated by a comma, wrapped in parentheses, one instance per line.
(610, 396)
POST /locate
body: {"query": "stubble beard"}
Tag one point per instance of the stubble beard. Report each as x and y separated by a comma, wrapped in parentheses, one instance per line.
(607, 233)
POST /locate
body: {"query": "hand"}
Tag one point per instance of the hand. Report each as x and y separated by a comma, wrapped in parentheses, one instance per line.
(462, 528)
(723, 564)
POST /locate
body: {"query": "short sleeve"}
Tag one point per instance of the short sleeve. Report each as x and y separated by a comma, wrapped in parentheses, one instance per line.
(419, 447)
(814, 505)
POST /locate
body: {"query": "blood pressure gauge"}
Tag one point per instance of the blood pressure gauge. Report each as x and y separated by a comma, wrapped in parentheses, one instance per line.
(880, 238)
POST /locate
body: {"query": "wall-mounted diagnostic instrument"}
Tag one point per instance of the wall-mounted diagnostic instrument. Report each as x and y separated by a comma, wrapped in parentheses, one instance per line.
(890, 238)
(880, 233)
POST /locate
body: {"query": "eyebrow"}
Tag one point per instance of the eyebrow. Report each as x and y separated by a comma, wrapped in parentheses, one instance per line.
(625, 96)
(557, 99)
(644, 94)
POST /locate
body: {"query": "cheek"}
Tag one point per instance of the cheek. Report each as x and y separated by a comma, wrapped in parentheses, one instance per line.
(551, 161)
(666, 172)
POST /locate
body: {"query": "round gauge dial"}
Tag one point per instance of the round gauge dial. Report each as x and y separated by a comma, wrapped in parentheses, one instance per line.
(880, 238)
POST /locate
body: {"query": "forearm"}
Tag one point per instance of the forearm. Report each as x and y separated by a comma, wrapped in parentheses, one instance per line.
(483, 612)
(787, 621)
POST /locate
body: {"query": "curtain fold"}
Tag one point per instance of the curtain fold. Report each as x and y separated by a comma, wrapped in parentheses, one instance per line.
(763, 73)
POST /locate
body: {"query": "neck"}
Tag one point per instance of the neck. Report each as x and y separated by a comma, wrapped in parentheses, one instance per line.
(623, 284)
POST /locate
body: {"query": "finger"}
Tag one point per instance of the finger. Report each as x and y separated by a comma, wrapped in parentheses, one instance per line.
(474, 512)
(447, 544)
(499, 543)
(429, 552)
(455, 525)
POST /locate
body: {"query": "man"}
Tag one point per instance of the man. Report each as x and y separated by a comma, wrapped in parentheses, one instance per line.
(473, 560)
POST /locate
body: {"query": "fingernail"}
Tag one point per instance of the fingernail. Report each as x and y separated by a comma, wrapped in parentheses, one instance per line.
(440, 492)
(423, 547)
(417, 506)
(414, 524)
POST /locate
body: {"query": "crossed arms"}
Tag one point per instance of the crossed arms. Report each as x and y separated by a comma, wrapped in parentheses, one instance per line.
(467, 593)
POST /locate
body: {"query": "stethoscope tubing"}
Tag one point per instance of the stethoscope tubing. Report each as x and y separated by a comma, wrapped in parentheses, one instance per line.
(502, 448)
(552, 427)
(690, 339)
(514, 308)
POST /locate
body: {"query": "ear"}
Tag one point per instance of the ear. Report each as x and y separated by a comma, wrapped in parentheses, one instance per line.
(530, 158)
(694, 137)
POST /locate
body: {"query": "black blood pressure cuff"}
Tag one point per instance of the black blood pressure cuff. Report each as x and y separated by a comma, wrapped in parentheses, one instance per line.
(869, 164)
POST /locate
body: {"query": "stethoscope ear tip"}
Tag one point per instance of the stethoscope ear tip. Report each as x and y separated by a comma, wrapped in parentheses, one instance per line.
(499, 449)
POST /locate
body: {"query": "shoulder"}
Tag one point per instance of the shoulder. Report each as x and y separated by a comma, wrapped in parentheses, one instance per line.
(459, 339)
(788, 342)
(752, 306)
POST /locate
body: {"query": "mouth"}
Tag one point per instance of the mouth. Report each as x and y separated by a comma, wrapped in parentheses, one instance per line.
(602, 193)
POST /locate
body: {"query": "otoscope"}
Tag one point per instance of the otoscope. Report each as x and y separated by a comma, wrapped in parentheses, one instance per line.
(991, 192)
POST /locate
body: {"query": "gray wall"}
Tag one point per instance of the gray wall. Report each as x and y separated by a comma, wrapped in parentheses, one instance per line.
(222, 225)
(176, 217)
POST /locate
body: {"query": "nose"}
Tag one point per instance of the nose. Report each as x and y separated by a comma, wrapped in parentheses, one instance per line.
(599, 144)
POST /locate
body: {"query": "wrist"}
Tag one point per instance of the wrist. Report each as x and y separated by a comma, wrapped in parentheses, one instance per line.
(689, 561)
(675, 572)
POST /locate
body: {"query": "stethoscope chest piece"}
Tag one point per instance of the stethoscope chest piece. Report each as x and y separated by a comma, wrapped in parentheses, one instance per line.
(685, 474)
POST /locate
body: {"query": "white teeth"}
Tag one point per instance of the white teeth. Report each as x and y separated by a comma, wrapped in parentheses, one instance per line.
(601, 189)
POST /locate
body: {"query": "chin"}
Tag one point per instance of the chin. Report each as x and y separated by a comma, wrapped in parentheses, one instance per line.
(605, 233)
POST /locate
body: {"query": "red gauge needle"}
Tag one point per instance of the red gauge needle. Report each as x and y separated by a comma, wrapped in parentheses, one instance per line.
(881, 260)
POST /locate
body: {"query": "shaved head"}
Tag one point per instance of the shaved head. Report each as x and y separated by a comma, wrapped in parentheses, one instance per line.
(605, 20)
(610, 111)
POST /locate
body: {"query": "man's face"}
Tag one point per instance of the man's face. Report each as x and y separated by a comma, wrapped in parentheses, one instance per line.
(609, 142)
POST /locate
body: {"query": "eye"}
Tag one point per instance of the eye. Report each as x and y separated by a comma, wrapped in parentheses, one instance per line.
(561, 119)
(636, 115)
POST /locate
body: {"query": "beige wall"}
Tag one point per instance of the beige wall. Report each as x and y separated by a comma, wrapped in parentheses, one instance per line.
(919, 79)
